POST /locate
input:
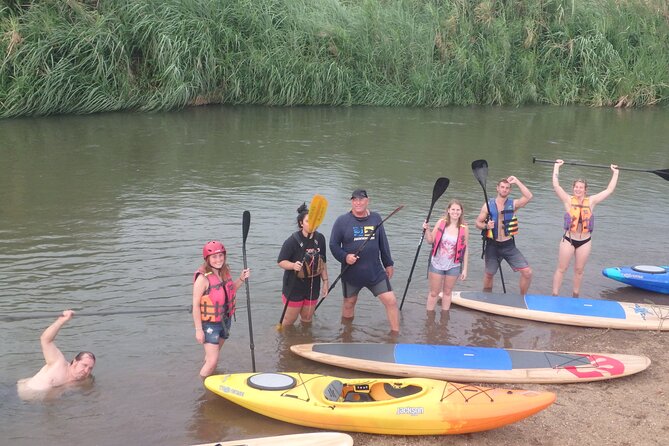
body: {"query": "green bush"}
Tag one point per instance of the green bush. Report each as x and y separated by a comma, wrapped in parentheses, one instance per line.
(68, 56)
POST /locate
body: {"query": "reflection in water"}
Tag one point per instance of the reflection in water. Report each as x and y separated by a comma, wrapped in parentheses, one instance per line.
(485, 331)
(207, 424)
(286, 360)
(436, 327)
(346, 330)
(489, 330)
(632, 294)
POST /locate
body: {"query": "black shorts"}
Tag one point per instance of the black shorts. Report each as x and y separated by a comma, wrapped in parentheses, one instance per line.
(376, 289)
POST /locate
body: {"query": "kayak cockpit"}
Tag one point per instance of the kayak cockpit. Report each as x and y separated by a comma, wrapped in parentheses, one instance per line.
(338, 391)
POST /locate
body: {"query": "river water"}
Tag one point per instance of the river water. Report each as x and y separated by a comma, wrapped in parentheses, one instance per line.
(108, 213)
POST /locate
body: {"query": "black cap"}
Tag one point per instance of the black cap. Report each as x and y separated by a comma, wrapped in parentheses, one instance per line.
(359, 193)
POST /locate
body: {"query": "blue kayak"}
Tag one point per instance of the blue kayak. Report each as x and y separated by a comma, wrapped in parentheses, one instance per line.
(647, 277)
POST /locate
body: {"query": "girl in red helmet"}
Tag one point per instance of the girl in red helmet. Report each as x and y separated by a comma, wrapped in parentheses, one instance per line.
(214, 303)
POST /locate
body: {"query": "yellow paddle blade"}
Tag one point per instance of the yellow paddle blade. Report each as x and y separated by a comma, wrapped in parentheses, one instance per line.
(317, 209)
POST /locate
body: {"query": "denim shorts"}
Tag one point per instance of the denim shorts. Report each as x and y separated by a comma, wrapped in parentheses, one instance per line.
(455, 271)
(213, 331)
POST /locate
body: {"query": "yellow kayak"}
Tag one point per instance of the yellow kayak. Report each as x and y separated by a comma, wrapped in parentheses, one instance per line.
(410, 406)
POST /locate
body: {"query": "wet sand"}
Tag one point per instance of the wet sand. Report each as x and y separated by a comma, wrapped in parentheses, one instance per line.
(626, 411)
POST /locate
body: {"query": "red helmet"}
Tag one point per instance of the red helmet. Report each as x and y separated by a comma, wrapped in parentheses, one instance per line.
(212, 247)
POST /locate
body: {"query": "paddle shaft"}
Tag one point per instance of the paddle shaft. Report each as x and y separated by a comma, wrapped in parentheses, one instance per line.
(598, 166)
(413, 265)
(663, 173)
(438, 190)
(482, 182)
(246, 223)
(357, 251)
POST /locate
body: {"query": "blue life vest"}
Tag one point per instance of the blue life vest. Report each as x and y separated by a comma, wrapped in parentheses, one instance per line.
(509, 219)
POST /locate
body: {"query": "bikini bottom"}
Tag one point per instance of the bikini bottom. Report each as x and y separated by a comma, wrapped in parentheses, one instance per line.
(576, 243)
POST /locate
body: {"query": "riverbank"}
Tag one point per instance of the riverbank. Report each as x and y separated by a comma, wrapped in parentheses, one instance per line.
(63, 57)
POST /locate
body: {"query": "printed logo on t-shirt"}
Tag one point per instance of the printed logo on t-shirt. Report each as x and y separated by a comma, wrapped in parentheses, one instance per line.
(362, 232)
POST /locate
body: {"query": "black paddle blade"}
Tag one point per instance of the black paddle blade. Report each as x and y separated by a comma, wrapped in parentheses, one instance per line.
(480, 170)
(664, 173)
(440, 187)
(246, 223)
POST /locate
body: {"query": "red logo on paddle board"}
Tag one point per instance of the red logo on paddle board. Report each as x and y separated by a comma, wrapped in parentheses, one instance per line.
(602, 366)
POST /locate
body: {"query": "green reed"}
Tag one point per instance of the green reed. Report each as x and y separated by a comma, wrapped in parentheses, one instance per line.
(69, 56)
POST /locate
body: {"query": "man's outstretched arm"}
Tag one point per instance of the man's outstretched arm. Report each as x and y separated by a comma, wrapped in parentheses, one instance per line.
(51, 353)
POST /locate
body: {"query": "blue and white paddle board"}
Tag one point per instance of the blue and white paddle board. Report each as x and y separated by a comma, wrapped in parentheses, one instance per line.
(474, 364)
(647, 277)
(568, 310)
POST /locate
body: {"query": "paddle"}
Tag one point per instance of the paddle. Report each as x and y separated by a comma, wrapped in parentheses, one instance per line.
(317, 209)
(246, 223)
(438, 190)
(22, 317)
(480, 171)
(358, 251)
(664, 173)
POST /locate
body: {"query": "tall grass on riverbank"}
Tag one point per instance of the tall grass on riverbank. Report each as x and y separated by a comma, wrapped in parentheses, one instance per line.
(68, 56)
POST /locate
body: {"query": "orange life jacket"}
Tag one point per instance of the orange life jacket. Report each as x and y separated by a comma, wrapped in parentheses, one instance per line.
(218, 300)
(579, 213)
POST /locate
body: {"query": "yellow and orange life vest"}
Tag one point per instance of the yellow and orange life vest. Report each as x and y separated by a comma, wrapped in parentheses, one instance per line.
(579, 213)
